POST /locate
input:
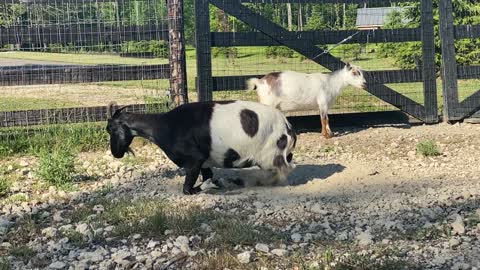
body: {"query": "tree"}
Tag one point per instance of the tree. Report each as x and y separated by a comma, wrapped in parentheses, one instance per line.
(408, 54)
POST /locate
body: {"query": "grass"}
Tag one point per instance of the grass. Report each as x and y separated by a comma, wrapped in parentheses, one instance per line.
(57, 166)
(23, 103)
(428, 148)
(22, 252)
(80, 137)
(153, 217)
(5, 264)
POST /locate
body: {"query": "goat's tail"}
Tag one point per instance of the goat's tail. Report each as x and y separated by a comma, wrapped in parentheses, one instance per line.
(252, 84)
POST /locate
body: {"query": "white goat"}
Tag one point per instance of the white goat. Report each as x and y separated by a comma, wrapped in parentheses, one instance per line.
(293, 91)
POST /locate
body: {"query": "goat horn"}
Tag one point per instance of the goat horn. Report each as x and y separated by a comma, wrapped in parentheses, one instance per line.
(119, 110)
(110, 109)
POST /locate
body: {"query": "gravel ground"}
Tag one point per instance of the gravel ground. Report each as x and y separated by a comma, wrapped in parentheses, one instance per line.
(365, 199)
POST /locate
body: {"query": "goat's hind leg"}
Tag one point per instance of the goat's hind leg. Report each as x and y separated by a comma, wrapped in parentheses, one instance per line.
(326, 132)
(208, 181)
(190, 179)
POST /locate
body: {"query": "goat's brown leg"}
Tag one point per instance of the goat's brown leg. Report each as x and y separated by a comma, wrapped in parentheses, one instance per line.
(329, 132)
(323, 120)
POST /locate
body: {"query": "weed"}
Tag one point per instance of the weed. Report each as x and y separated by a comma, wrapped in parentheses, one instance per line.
(22, 252)
(5, 264)
(329, 149)
(220, 260)
(4, 186)
(232, 231)
(76, 239)
(19, 197)
(428, 148)
(57, 166)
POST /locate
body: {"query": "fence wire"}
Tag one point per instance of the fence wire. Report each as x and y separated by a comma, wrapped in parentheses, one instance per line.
(376, 36)
(62, 61)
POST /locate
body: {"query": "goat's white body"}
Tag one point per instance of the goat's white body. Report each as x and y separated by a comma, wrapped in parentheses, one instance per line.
(293, 91)
(301, 91)
(261, 149)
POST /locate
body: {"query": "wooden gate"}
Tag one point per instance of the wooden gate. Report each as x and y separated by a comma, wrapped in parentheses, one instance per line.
(454, 109)
(304, 42)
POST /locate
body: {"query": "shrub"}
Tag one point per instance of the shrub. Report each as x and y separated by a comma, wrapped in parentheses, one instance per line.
(56, 166)
(428, 149)
(228, 52)
(278, 51)
(159, 48)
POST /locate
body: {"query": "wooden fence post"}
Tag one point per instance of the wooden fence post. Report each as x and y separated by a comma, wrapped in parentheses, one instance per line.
(204, 82)
(449, 63)
(176, 42)
(428, 63)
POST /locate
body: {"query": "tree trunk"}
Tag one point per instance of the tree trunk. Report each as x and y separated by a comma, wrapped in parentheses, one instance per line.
(289, 16)
(300, 18)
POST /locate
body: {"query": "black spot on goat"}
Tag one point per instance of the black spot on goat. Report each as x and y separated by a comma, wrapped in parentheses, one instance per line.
(249, 120)
(230, 157)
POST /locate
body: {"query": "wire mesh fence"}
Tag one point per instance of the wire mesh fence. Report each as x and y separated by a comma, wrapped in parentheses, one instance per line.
(80, 55)
(384, 38)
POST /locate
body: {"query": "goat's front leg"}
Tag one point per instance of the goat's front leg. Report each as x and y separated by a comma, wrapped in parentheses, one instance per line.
(207, 179)
(328, 130)
(325, 127)
(190, 179)
(206, 174)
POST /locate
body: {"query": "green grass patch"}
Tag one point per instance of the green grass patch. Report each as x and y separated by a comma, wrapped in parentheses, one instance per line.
(5, 264)
(22, 252)
(5, 185)
(82, 58)
(57, 166)
(22, 103)
(232, 231)
(428, 149)
(16, 198)
(154, 217)
(80, 137)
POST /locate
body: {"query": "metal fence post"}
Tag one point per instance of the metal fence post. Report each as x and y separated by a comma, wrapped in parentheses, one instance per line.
(428, 63)
(177, 60)
(204, 81)
(449, 63)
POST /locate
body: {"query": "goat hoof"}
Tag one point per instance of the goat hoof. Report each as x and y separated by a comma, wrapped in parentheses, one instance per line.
(191, 191)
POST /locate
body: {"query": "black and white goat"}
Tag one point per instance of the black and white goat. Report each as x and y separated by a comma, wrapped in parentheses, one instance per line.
(293, 91)
(199, 136)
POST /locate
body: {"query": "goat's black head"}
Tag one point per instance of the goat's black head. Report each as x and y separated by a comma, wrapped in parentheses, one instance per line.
(120, 134)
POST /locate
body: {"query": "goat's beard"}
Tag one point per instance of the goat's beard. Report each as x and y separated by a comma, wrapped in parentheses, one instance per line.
(130, 151)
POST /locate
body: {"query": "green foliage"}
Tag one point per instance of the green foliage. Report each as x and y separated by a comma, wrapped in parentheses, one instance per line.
(57, 166)
(278, 51)
(409, 54)
(428, 148)
(80, 137)
(350, 51)
(159, 48)
(227, 52)
(4, 186)
(5, 264)
(22, 252)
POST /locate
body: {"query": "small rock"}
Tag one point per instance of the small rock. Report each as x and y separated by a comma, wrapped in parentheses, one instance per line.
(262, 248)
(365, 238)
(454, 242)
(49, 232)
(279, 252)
(152, 244)
(296, 237)
(136, 236)
(57, 265)
(460, 266)
(458, 226)
(57, 217)
(121, 255)
(244, 257)
(98, 208)
(317, 208)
